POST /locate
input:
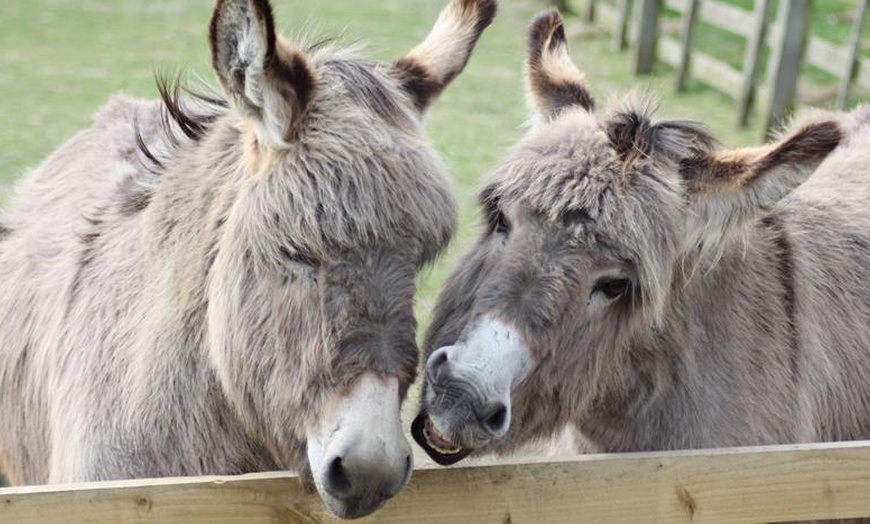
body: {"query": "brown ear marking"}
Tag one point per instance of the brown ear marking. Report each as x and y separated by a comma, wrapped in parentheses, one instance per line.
(281, 82)
(483, 11)
(291, 76)
(554, 81)
(733, 170)
(438, 60)
(417, 81)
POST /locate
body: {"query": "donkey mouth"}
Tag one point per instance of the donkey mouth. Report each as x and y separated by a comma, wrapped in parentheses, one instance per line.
(438, 446)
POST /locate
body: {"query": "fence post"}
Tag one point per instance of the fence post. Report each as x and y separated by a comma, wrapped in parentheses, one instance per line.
(687, 33)
(620, 33)
(752, 59)
(588, 11)
(785, 63)
(854, 51)
(647, 35)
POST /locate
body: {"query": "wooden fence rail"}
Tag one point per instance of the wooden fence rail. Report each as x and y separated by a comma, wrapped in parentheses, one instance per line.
(766, 484)
(787, 37)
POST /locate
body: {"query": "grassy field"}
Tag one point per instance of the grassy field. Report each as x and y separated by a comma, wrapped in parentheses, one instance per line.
(60, 60)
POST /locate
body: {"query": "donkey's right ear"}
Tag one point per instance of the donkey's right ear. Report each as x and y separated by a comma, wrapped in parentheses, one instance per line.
(268, 81)
(553, 80)
(435, 62)
(731, 188)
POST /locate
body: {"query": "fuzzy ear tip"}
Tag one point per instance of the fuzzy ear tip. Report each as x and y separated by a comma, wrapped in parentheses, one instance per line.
(820, 138)
(834, 133)
(482, 11)
(547, 30)
(486, 12)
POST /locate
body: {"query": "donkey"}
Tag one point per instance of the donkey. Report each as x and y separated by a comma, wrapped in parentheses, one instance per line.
(651, 291)
(225, 285)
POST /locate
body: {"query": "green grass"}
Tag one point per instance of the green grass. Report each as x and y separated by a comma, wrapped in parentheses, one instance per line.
(60, 60)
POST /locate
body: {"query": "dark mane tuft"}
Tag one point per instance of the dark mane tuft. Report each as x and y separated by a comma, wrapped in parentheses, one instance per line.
(635, 137)
(185, 117)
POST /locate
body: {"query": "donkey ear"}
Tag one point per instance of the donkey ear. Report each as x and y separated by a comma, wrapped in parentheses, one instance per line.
(266, 80)
(553, 80)
(730, 188)
(434, 63)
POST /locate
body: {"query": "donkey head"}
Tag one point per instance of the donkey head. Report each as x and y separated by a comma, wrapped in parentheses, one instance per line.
(588, 221)
(342, 202)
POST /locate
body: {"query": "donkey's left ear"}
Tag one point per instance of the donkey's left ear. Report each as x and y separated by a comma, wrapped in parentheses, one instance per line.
(434, 63)
(552, 79)
(267, 80)
(731, 188)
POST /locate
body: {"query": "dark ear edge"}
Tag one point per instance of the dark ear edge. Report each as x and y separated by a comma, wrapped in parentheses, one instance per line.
(221, 27)
(554, 82)
(268, 80)
(729, 189)
(731, 171)
(431, 66)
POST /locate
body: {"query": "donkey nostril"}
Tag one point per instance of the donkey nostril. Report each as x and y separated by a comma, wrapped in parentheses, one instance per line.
(336, 478)
(496, 419)
(435, 364)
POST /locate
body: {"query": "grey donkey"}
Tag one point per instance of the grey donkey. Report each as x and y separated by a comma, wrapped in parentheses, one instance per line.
(225, 285)
(655, 292)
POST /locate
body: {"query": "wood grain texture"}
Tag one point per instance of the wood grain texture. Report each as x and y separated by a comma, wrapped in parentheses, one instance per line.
(729, 485)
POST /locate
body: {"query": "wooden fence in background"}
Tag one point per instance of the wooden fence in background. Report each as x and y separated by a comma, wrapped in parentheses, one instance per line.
(786, 35)
(766, 484)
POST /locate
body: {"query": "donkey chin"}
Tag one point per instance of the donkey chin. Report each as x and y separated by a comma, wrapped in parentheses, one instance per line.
(468, 394)
(358, 455)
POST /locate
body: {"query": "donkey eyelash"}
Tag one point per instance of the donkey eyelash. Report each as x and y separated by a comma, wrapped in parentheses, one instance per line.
(298, 257)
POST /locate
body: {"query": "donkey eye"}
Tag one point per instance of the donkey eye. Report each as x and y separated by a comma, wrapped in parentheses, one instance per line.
(612, 288)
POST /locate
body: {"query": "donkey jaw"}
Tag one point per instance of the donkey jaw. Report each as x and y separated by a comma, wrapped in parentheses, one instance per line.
(435, 443)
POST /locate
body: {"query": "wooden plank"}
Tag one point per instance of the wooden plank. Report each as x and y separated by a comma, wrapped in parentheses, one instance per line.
(686, 36)
(853, 52)
(777, 483)
(728, 17)
(706, 68)
(647, 19)
(752, 60)
(820, 53)
(785, 63)
(717, 74)
(669, 51)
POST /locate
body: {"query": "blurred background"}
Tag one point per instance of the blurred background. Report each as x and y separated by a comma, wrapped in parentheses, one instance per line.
(60, 60)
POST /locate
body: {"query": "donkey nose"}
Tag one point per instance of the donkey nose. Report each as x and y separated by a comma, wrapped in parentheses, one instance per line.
(437, 365)
(348, 480)
(495, 419)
